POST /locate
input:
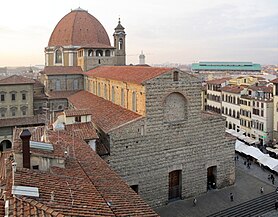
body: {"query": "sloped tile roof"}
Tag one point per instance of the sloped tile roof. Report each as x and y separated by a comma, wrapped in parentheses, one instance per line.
(16, 79)
(62, 70)
(105, 114)
(132, 74)
(232, 89)
(84, 131)
(61, 94)
(85, 187)
(274, 81)
(77, 112)
(267, 89)
(218, 81)
(22, 121)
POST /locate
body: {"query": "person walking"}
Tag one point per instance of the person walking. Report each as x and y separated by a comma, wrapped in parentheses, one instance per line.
(231, 197)
(194, 201)
(276, 204)
(262, 190)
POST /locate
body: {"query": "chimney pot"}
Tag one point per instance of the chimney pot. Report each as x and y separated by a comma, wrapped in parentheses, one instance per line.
(25, 137)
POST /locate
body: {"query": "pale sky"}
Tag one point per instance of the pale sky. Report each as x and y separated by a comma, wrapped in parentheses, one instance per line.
(176, 31)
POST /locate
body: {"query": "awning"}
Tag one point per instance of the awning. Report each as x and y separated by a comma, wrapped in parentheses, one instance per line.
(248, 150)
(270, 162)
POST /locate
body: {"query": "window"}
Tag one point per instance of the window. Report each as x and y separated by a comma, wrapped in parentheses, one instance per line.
(78, 119)
(23, 112)
(113, 94)
(134, 101)
(58, 56)
(2, 97)
(105, 91)
(262, 105)
(107, 53)
(98, 89)
(262, 113)
(75, 84)
(57, 85)
(90, 53)
(13, 111)
(24, 96)
(13, 96)
(175, 76)
(120, 44)
(35, 167)
(99, 53)
(122, 97)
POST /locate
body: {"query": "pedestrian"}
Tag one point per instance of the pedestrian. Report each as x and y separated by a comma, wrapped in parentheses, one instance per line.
(262, 190)
(276, 204)
(231, 197)
(244, 163)
(277, 190)
(269, 177)
(237, 157)
(194, 202)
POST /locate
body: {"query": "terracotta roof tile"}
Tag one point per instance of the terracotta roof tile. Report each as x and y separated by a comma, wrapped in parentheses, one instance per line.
(61, 94)
(23, 121)
(84, 131)
(79, 28)
(274, 81)
(16, 79)
(267, 89)
(232, 89)
(79, 112)
(132, 74)
(105, 114)
(84, 187)
(62, 70)
(218, 81)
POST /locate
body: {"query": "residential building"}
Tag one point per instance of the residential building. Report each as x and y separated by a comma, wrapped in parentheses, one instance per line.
(231, 106)
(275, 109)
(214, 94)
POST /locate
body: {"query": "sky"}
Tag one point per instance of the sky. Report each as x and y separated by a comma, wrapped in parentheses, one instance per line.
(176, 31)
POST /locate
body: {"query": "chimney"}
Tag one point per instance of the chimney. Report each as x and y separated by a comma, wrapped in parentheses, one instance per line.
(25, 137)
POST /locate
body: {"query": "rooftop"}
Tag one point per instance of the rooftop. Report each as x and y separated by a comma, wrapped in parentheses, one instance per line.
(105, 114)
(22, 121)
(232, 89)
(16, 79)
(132, 74)
(85, 131)
(218, 81)
(62, 70)
(226, 66)
(85, 187)
(79, 112)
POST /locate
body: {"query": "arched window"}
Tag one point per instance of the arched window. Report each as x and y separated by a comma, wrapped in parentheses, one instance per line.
(90, 53)
(176, 76)
(24, 110)
(120, 44)
(107, 53)
(58, 56)
(134, 103)
(175, 107)
(99, 53)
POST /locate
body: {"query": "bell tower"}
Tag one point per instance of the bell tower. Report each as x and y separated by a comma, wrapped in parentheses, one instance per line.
(119, 44)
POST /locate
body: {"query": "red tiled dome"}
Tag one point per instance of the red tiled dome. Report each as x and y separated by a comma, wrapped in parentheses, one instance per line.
(79, 28)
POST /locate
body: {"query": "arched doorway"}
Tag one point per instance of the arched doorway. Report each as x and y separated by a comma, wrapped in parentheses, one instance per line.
(211, 177)
(5, 144)
(175, 184)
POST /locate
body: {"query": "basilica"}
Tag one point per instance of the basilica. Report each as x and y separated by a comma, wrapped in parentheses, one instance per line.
(146, 122)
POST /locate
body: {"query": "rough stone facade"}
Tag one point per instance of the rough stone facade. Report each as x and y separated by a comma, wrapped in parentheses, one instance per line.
(170, 138)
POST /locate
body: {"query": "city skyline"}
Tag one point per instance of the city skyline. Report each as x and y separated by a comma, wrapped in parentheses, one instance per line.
(177, 31)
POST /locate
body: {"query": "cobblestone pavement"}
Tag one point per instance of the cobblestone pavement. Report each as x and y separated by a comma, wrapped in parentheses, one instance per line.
(247, 187)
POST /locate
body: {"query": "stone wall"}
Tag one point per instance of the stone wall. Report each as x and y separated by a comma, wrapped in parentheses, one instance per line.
(146, 151)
